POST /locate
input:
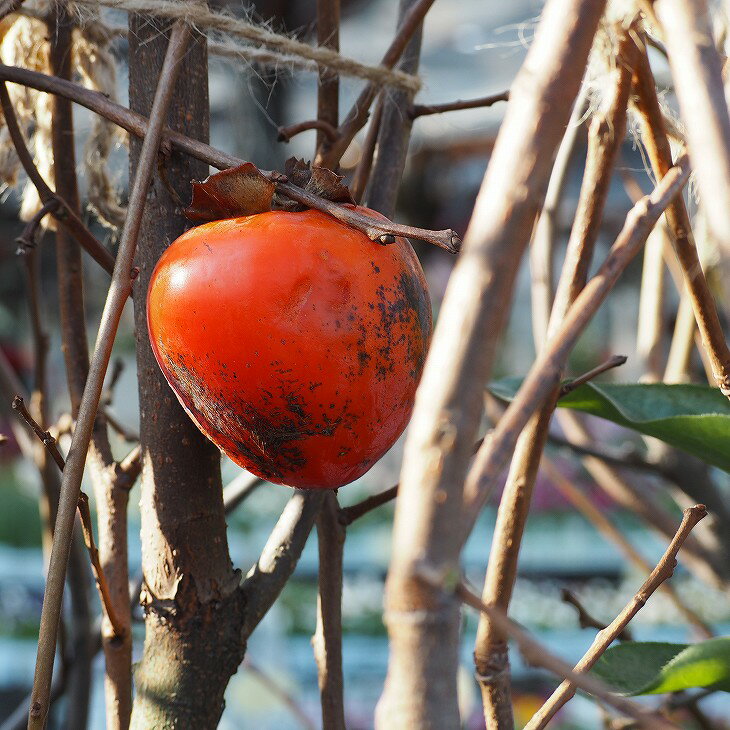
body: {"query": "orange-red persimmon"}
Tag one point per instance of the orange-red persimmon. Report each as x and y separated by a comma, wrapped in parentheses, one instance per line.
(293, 341)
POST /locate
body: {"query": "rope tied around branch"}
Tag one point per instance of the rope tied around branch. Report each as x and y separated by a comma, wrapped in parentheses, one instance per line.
(274, 47)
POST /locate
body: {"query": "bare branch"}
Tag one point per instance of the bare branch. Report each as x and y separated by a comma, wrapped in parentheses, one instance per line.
(328, 88)
(327, 639)
(26, 240)
(594, 515)
(585, 620)
(101, 582)
(239, 490)
(362, 172)
(423, 110)
(420, 688)
(544, 374)
(285, 134)
(655, 138)
(606, 135)
(118, 293)
(124, 431)
(374, 228)
(44, 436)
(357, 116)
(265, 580)
(697, 72)
(110, 562)
(538, 656)
(128, 469)
(83, 508)
(394, 129)
(543, 238)
(663, 571)
(349, 514)
(612, 362)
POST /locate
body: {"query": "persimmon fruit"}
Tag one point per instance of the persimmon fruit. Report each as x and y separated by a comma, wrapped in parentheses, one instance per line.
(293, 341)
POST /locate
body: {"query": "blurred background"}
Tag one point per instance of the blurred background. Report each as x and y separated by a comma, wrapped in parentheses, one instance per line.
(470, 49)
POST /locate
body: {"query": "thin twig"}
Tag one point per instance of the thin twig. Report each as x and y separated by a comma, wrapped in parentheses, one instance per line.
(585, 620)
(239, 490)
(74, 645)
(101, 582)
(545, 372)
(119, 291)
(128, 469)
(362, 172)
(596, 517)
(349, 514)
(697, 72)
(679, 359)
(627, 457)
(63, 212)
(83, 508)
(111, 560)
(542, 247)
(612, 362)
(633, 495)
(394, 129)
(538, 656)
(125, 432)
(26, 240)
(653, 129)
(285, 134)
(44, 436)
(634, 191)
(328, 86)
(650, 324)
(271, 684)
(327, 639)
(423, 110)
(358, 115)
(376, 229)
(663, 571)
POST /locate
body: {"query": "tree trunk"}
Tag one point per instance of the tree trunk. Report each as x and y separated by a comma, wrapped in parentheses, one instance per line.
(193, 606)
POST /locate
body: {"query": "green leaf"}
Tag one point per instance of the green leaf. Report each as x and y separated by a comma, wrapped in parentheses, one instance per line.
(694, 418)
(640, 668)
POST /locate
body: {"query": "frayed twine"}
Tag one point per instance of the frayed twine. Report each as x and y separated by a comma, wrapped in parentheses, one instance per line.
(24, 43)
(278, 48)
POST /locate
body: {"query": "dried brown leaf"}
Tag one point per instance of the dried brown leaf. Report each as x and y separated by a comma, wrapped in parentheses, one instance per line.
(238, 191)
(317, 180)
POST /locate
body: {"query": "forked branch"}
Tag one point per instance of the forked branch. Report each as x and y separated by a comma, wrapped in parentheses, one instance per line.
(663, 571)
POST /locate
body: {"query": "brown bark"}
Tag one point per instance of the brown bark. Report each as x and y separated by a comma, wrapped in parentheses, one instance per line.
(327, 640)
(191, 598)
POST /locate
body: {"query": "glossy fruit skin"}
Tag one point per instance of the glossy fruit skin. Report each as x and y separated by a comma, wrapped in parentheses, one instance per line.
(293, 341)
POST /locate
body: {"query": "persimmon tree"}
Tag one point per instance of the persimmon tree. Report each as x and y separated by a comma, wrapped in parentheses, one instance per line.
(587, 65)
